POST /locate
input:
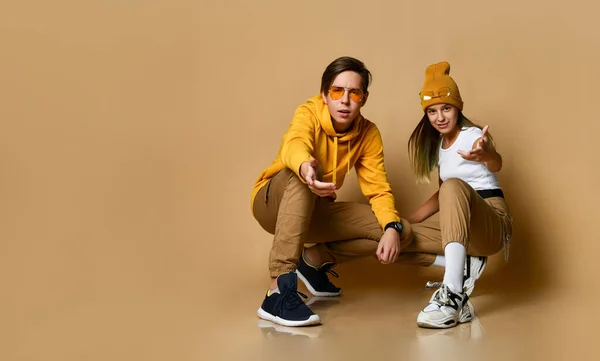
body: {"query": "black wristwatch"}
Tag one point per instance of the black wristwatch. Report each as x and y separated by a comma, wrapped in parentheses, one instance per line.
(396, 225)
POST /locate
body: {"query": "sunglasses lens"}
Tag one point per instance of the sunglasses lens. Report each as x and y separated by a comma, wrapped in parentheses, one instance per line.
(336, 92)
(356, 95)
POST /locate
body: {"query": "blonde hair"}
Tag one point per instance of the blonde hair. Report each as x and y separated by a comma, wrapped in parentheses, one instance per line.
(424, 143)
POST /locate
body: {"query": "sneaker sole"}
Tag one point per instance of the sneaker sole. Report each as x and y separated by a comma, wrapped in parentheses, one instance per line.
(313, 291)
(312, 320)
(449, 324)
(446, 323)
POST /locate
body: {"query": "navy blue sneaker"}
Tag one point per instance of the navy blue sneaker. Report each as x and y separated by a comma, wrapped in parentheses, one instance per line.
(316, 280)
(286, 307)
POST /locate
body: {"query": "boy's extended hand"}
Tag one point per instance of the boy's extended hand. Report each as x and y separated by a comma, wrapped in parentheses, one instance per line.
(311, 172)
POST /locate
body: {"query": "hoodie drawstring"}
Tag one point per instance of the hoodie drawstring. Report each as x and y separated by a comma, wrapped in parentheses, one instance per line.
(335, 151)
(335, 158)
(348, 157)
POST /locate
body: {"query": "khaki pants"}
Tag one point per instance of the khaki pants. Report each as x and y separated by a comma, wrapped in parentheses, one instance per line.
(286, 208)
(481, 225)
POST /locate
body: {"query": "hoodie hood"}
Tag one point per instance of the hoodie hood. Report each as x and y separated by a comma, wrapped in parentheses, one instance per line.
(321, 111)
(311, 134)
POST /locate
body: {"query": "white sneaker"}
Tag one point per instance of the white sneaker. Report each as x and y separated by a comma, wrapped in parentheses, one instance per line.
(446, 309)
(474, 267)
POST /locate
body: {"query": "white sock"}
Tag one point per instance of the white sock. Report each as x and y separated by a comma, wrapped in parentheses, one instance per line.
(455, 265)
(454, 261)
(440, 261)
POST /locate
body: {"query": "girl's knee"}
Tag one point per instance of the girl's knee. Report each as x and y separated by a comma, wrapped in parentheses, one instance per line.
(454, 185)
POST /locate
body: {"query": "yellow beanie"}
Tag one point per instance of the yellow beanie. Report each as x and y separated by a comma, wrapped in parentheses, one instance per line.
(439, 87)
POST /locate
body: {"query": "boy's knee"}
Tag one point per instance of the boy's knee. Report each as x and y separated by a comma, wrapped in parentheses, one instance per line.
(288, 173)
(296, 186)
(292, 178)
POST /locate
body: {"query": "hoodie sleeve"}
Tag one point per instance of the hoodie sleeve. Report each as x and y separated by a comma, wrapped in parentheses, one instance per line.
(372, 178)
(298, 142)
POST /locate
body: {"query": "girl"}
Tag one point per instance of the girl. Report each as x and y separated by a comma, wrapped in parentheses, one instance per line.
(474, 220)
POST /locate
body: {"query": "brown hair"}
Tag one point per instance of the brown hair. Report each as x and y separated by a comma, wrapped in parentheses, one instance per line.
(341, 65)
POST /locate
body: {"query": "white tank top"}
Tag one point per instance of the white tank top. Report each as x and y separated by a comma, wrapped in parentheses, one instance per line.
(452, 165)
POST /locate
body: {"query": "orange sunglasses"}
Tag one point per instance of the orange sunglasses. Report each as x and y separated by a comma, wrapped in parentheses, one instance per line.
(440, 93)
(337, 92)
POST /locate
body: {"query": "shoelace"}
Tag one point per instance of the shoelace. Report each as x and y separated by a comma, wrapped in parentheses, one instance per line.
(445, 297)
(332, 272)
(433, 285)
(430, 285)
(328, 269)
(440, 297)
(290, 299)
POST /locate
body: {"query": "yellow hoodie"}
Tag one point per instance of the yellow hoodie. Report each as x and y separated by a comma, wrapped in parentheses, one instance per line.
(311, 133)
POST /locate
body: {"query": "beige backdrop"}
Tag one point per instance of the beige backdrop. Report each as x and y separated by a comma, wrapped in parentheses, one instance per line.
(132, 133)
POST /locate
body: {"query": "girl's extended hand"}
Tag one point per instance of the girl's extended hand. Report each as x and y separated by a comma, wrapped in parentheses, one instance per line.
(482, 149)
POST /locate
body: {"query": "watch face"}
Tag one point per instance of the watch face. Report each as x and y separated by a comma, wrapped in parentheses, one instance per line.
(396, 225)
